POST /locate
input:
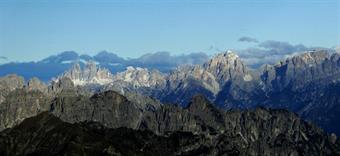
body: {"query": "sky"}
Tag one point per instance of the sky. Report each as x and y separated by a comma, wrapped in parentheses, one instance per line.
(32, 30)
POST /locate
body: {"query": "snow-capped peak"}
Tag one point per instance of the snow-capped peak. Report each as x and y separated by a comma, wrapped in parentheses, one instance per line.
(91, 74)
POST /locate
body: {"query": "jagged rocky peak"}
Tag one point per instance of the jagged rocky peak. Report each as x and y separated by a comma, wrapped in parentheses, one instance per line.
(186, 74)
(229, 57)
(11, 82)
(305, 68)
(307, 58)
(228, 66)
(140, 77)
(91, 74)
(35, 84)
(60, 84)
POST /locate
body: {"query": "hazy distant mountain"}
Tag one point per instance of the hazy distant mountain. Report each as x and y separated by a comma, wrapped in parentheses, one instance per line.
(55, 65)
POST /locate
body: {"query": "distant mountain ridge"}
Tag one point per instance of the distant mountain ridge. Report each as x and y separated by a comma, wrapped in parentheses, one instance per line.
(161, 61)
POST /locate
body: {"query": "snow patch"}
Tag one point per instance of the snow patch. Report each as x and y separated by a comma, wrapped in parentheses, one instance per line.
(247, 77)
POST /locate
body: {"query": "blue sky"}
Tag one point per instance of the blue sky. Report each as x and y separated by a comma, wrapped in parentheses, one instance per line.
(31, 30)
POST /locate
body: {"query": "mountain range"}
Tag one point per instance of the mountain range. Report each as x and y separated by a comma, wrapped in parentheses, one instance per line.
(221, 100)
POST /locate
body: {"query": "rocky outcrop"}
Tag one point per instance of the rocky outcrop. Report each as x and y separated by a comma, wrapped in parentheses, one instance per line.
(36, 84)
(109, 108)
(9, 83)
